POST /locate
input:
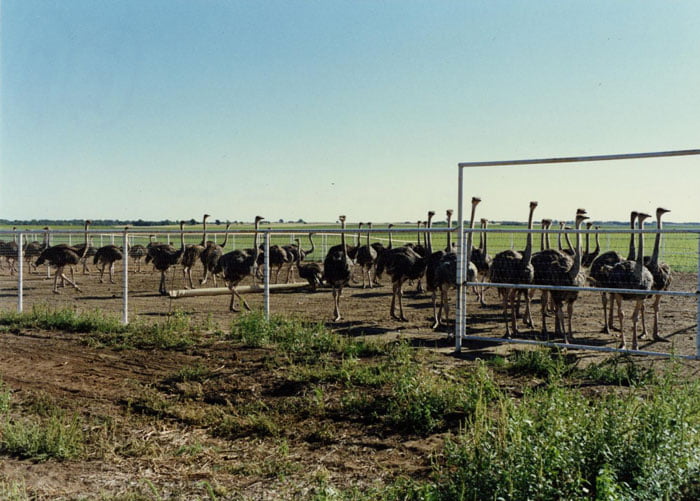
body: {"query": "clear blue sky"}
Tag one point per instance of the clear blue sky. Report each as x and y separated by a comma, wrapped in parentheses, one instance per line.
(309, 109)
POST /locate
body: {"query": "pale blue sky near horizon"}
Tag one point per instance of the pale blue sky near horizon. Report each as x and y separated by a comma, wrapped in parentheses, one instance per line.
(310, 109)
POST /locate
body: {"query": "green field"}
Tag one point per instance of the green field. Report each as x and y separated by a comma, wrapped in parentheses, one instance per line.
(680, 250)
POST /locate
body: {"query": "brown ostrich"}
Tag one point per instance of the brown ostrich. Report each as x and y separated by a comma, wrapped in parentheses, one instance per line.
(660, 271)
(164, 256)
(513, 267)
(630, 274)
(367, 258)
(236, 265)
(191, 255)
(337, 268)
(210, 256)
(105, 257)
(62, 255)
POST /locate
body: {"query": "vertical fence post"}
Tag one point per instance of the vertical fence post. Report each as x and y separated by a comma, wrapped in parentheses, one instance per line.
(20, 275)
(266, 292)
(697, 299)
(125, 292)
(460, 310)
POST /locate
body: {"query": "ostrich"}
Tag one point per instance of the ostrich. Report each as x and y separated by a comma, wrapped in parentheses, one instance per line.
(165, 255)
(60, 256)
(278, 258)
(563, 270)
(367, 258)
(513, 267)
(105, 256)
(234, 266)
(443, 268)
(191, 255)
(589, 257)
(600, 268)
(137, 252)
(482, 260)
(630, 274)
(311, 272)
(34, 249)
(210, 256)
(660, 271)
(8, 250)
(337, 269)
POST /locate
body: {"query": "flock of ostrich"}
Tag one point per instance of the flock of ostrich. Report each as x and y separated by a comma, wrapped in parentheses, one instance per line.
(412, 262)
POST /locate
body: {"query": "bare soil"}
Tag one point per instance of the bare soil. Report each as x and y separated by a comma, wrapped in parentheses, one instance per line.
(167, 458)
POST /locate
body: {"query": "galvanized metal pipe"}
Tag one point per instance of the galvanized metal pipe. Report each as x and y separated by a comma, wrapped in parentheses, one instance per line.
(266, 294)
(125, 274)
(20, 275)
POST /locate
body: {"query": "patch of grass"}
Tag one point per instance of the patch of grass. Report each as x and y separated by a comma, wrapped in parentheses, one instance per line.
(14, 490)
(557, 444)
(58, 436)
(621, 371)
(5, 398)
(68, 320)
(195, 373)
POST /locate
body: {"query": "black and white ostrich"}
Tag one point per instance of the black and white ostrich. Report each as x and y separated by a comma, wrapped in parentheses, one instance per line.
(513, 267)
(367, 259)
(164, 256)
(442, 266)
(192, 254)
(600, 267)
(660, 271)
(105, 257)
(210, 256)
(236, 265)
(567, 271)
(62, 255)
(631, 274)
(337, 268)
(311, 272)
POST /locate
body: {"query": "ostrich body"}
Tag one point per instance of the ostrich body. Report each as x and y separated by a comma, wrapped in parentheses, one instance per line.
(106, 256)
(600, 268)
(34, 249)
(513, 267)
(311, 272)
(236, 265)
(8, 250)
(630, 274)
(191, 255)
(367, 258)
(137, 252)
(278, 258)
(661, 272)
(337, 269)
(165, 255)
(210, 256)
(565, 271)
(443, 267)
(61, 255)
(482, 260)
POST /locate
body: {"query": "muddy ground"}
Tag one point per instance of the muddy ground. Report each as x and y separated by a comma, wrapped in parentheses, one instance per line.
(98, 382)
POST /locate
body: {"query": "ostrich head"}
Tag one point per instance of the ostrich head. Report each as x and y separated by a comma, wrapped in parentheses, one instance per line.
(661, 211)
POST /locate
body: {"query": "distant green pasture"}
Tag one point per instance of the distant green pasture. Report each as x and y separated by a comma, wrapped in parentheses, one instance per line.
(680, 250)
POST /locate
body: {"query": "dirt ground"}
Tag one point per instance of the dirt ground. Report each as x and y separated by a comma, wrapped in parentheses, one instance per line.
(58, 367)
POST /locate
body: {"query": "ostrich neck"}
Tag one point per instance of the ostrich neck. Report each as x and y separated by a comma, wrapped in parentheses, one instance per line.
(223, 245)
(631, 254)
(182, 237)
(342, 241)
(546, 238)
(657, 241)
(588, 239)
(370, 227)
(568, 241)
(310, 251)
(597, 242)
(429, 237)
(485, 241)
(640, 252)
(449, 232)
(204, 231)
(576, 268)
(470, 235)
(87, 226)
(418, 235)
(528, 246)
